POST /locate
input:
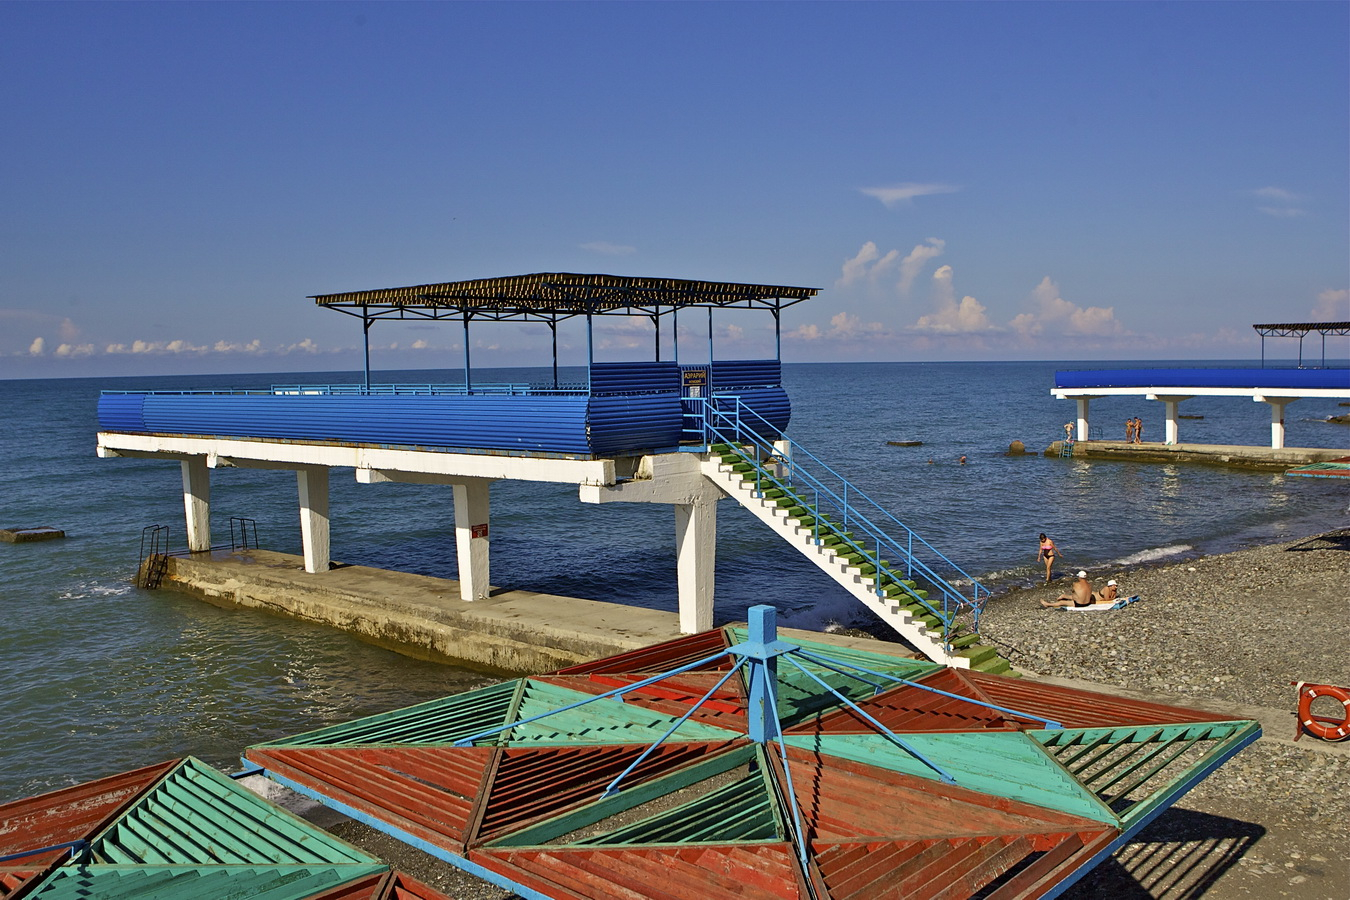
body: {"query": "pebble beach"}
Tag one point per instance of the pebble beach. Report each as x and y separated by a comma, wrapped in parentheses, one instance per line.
(1228, 632)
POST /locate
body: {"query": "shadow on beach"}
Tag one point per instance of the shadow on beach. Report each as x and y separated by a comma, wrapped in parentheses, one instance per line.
(1179, 856)
(1332, 540)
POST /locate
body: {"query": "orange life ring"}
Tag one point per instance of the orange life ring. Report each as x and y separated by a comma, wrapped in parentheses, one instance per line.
(1323, 727)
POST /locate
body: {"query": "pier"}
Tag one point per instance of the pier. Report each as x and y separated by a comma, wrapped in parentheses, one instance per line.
(1276, 387)
(662, 431)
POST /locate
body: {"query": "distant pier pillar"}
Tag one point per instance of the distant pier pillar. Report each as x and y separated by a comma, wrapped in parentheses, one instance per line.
(1170, 402)
(197, 502)
(1277, 405)
(472, 511)
(313, 484)
(1083, 417)
(696, 562)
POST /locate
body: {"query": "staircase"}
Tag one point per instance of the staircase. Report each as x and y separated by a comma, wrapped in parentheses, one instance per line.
(826, 526)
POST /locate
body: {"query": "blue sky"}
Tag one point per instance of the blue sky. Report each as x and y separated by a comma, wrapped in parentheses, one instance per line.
(962, 180)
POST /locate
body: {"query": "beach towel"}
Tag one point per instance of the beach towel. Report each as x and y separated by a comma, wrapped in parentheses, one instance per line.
(1104, 607)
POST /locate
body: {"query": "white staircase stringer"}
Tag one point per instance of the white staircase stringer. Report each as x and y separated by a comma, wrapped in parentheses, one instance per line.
(926, 640)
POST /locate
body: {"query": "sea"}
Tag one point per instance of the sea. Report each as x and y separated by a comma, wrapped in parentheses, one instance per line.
(98, 676)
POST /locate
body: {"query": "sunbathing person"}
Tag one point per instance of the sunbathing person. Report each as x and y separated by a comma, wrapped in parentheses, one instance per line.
(1082, 594)
(1109, 593)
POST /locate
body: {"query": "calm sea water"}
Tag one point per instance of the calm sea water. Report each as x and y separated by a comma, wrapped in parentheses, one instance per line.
(97, 676)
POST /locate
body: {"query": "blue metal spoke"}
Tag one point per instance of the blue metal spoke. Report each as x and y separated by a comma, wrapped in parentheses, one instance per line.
(798, 827)
(498, 729)
(1049, 723)
(613, 787)
(882, 729)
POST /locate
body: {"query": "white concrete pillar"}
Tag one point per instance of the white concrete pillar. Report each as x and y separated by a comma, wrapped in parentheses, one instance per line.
(1170, 430)
(313, 482)
(782, 449)
(197, 503)
(472, 511)
(1277, 405)
(1083, 417)
(696, 554)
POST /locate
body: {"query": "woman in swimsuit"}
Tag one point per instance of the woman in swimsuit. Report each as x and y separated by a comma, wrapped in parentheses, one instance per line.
(1048, 552)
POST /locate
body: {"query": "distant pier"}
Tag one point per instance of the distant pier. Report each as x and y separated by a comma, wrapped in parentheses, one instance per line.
(1279, 458)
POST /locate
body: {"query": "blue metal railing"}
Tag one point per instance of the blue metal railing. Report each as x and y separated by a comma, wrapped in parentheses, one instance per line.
(725, 419)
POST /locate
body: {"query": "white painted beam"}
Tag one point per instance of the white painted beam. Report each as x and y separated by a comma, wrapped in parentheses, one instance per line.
(472, 518)
(257, 453)
(660, 478)
(314, 528)
(197, 502)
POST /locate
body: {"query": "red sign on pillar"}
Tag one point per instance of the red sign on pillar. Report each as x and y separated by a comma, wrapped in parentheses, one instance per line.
(478, 531)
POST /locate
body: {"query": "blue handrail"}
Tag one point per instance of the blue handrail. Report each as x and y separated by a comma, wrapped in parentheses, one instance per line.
(725, 419)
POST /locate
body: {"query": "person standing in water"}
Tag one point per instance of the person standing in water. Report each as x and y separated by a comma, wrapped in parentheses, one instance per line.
(1048, 553)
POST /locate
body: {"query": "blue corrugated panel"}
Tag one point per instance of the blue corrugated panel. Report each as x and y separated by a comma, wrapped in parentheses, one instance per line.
(634, 377)
(546, 424)
(1234, 378)
(121, 412)
(739, 373)
(769, 403)
(634, 422)
(599, 425)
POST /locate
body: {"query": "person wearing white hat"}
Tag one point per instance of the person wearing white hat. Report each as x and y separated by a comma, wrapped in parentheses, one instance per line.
(1108, 594)
(1082, 593)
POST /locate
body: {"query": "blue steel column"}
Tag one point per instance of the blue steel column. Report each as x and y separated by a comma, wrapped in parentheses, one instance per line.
(590, 351)
(763, 662)
(710, 345)
(553, 326)
(365, 333)
(675, 333)
(777, 335)
(467, 385)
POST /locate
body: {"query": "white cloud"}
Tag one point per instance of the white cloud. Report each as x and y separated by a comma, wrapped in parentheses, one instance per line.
(857, 267)
(420, 344)
(967, 316)
(1276, 193)
(1332, 306)
(38, 347)
(870, 265)
(905, 193)
(609, 249)
(1052, 313)
(913, 264)
(253, 346)
(1288, 201)
(844, 328)
(73, 350)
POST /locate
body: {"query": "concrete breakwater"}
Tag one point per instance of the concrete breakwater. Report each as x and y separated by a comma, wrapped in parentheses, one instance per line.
(1215, 454)
(513, 632)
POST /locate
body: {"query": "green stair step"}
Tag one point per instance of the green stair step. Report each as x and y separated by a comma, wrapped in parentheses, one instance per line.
(999, 666)
(979, 653)
(964, 641)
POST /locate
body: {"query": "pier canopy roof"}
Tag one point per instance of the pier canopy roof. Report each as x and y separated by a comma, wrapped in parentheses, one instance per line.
(551, 296)
(1299, 329)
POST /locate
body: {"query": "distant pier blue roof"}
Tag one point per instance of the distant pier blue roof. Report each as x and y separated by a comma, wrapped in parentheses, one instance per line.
(1245, 378)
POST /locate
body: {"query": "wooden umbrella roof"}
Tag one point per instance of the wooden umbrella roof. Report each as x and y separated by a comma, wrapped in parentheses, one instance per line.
(560, 295)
